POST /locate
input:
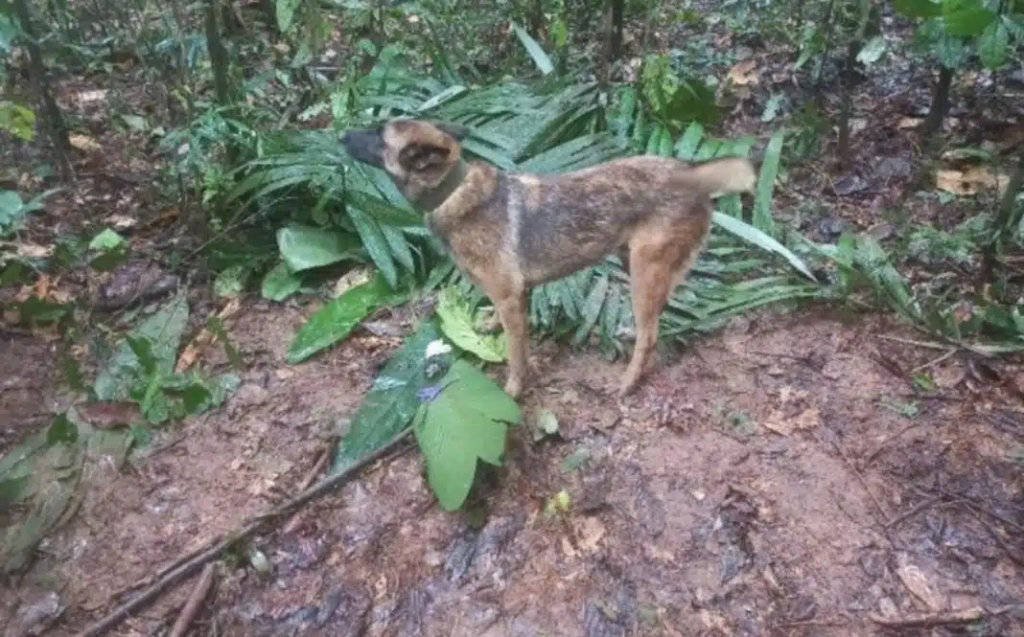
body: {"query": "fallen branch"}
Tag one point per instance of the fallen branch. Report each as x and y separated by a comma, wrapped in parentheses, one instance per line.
(195, 600)
(929, 620)
(199, 560)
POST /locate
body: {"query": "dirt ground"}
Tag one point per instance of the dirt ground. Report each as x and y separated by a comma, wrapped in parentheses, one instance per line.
(777, 479)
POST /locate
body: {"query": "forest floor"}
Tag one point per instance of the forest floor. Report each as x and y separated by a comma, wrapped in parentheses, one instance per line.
(782, 477)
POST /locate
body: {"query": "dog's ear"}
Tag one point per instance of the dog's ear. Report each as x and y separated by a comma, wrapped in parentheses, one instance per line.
(458, 131)
(420, 157)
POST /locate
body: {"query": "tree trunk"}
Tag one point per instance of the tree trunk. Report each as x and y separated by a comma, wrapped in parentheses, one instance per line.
(56, 129)
(940, 103)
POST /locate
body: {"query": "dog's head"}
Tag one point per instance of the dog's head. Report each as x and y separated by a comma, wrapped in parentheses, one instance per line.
(418, 155)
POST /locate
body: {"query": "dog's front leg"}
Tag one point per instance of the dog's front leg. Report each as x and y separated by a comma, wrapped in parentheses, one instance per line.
(511, 311)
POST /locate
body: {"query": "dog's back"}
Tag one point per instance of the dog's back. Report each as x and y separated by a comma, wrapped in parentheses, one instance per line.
(564, 222)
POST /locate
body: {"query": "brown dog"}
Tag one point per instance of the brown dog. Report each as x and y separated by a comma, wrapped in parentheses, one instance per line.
(512, 231)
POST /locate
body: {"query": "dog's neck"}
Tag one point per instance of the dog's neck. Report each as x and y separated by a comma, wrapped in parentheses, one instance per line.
(432, 199)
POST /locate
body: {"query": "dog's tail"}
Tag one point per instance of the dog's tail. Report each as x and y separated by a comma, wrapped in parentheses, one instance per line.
(725, 176)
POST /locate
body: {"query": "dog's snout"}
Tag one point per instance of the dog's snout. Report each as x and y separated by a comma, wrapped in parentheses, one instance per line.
(364, 145)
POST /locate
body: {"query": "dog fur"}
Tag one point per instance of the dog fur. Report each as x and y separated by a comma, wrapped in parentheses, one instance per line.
(511, 231)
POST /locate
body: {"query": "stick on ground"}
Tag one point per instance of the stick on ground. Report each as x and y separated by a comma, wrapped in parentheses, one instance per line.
(189, 567)
(195, 601)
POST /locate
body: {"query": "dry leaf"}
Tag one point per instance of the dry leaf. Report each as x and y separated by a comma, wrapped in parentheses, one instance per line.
(589, 532)
(86, 97)
(84, 143)
(121, 222)
(744, 73)
(777, 421)
(970, 181)
(352, 278)
(41, 289)
(917, 583)
(205, 337)
(34, 251)
(910, 122)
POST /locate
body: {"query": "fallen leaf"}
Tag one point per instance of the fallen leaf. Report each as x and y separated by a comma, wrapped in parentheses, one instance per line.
(909, 122)
(589, 532)
(744, 73)
(86, 97)
(777, 422)
(121, 222)
(970, 181)
(34, 251)
(205, 337)
(84, 143)
(352, 278)
(917, 583)
(108, 414)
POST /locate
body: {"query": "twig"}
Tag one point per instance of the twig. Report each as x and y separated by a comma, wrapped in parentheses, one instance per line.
(195, 600)
(871, 456)
(863, 483)
(928, 620)
(318, 466)
(934, 362)
(190, 565)
(908, 341)
(914, 510)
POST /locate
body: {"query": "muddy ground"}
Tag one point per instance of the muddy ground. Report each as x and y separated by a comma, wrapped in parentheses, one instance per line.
(777, 479)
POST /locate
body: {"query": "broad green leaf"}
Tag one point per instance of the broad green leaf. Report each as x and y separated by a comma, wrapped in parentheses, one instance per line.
(286, 13)
(686, 147)
(336, 319)
(307, 247)
(917, 8)
(457, 324)
(967, 22)
(163, 330)
(279, 283)
(464, 422)
(391, 403)
(994, 45)
(540, 58)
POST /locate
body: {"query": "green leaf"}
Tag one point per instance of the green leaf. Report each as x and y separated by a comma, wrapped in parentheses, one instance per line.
(279, 283)
(375, 244)
(163, 330)
(760, 239)
(994, 45)
(967, 22)
(286, 13)
(391, 403)
(61, 430)
(457, 324)
(231, 281)
(766, 184)
(17, 119)
(540, 58)
(335, 320)
(917, 8)
(307, 247)
(872, 51)
(466, 421)
(106, 241)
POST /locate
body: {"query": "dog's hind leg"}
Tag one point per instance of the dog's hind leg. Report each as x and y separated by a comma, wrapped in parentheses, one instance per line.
(659, 260)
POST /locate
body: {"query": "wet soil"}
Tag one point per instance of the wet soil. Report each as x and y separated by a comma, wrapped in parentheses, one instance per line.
(777, 479)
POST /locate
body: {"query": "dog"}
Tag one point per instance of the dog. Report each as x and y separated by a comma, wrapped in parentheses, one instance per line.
(512, 231)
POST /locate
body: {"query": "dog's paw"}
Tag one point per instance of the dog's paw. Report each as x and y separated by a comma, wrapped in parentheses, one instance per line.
(490, 325)
(514, 387)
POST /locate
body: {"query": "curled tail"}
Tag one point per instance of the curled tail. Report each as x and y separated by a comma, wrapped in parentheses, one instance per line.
(725, 176)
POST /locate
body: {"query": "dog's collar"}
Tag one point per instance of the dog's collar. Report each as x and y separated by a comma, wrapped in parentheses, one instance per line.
(432, 199)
